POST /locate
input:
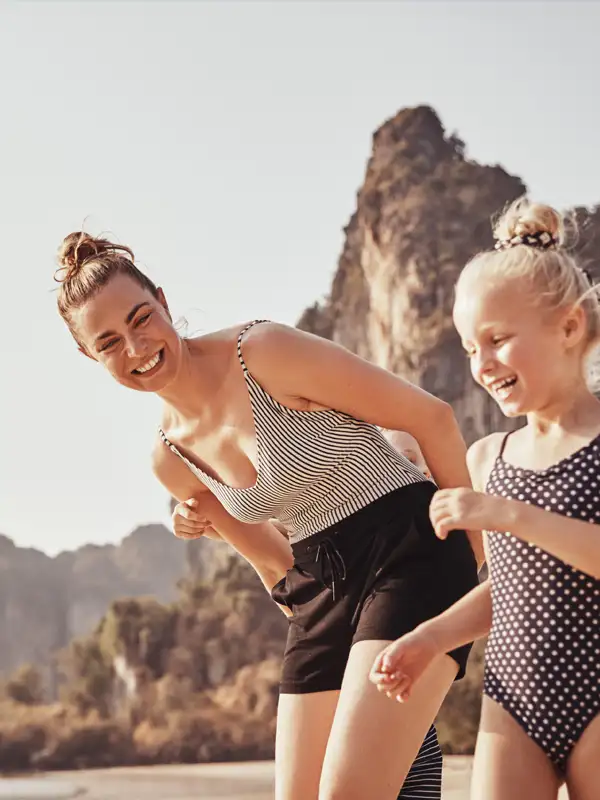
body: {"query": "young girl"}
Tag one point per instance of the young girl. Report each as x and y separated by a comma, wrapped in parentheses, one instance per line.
(265, 421)
(528, 319)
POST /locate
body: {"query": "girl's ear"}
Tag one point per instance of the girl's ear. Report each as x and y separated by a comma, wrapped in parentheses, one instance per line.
(574, 326)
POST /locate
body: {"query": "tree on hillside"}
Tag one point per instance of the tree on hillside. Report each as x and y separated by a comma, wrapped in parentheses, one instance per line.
(25, 685)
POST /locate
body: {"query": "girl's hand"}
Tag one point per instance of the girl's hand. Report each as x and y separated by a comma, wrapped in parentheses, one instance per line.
(464, 509)
(401, 664)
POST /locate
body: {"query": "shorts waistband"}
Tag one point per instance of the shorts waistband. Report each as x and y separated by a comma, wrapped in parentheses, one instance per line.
(371, 516)
(329, 549)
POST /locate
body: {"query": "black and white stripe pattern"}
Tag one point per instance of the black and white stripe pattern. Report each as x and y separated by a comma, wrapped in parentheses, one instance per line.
(424, 780)
(315, 468)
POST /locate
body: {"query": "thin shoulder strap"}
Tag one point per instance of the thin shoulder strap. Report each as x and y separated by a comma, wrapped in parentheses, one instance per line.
(239, 342)
(503, 445)
(169, 444)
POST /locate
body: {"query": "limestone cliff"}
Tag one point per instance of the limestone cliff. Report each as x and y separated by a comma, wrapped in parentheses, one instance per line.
(45, 602)
(424, 209)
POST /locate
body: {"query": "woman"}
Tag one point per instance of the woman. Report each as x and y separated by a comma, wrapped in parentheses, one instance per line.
(263, 421)
(424, 780)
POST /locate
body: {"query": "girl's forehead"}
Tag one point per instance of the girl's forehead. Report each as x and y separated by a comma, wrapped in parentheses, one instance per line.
(484, 305)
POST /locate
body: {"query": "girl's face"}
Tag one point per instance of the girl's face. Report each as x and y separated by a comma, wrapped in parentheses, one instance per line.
(522, 356)
(129, 331)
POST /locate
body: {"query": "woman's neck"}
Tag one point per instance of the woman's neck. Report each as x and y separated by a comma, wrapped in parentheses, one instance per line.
(199, 381)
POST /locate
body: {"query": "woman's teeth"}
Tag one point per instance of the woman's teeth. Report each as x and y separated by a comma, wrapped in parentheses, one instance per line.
(149, 365)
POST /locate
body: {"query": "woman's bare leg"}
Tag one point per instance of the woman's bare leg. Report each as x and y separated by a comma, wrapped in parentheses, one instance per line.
(374, 739)
(303, 725)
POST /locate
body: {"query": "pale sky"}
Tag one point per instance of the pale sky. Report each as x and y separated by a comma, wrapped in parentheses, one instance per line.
(225, 142)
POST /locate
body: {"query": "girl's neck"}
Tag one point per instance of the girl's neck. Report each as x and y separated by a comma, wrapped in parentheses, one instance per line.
(577, 413)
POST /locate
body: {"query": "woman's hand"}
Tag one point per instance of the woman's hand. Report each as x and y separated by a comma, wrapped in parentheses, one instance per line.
(189, 523)
(401, 664)
(465, 509)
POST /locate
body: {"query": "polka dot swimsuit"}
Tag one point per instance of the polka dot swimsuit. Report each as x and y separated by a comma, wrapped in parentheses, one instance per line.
(543, 653)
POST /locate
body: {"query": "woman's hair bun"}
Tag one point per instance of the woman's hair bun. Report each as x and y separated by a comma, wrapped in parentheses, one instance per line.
(78, 248)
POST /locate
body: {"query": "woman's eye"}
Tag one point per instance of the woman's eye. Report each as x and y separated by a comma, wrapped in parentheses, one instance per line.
(108, 345)
(141, 320)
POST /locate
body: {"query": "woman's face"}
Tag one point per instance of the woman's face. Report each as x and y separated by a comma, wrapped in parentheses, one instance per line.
(130, 332)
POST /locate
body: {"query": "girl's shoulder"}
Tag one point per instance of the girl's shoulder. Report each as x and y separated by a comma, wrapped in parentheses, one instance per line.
(481, 456)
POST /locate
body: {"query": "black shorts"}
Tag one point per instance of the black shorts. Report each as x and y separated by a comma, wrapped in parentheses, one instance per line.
(375, 575)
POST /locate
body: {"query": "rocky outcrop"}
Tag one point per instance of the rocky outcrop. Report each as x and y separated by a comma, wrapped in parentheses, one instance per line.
(45, 602)
(424, 209)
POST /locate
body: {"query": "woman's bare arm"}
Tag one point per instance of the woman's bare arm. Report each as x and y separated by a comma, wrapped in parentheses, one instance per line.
(471, 617)
(300, 368)
(262, 545)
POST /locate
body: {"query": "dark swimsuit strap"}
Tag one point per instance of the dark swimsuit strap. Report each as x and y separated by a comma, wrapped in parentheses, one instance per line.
(503, 445)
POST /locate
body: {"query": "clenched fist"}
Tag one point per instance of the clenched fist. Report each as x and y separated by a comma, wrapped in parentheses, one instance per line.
(189, 523)
(455, 509)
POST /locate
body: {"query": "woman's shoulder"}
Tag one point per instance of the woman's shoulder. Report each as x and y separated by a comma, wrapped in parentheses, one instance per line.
(266, 342)
(255, 330)
(172, 471)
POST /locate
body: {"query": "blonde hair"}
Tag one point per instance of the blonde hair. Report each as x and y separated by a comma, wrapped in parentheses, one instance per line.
(530, 247)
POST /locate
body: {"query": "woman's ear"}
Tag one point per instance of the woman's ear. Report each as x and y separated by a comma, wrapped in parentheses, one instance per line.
(163, 301)
(85, 352)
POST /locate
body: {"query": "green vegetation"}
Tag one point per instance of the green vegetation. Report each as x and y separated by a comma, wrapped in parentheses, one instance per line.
(189, 682)
(192, 681)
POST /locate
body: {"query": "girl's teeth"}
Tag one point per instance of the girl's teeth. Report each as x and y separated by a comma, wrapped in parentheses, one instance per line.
(504, 389)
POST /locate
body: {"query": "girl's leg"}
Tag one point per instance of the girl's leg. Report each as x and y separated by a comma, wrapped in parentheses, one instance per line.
(583, 767)
(508, 763)
(374, 739)
(303, 726)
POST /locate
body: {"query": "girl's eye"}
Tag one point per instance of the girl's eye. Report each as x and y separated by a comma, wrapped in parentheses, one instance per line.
(143, 319)
(498, 340)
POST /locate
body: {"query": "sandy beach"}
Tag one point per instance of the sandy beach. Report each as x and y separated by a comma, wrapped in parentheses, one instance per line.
(252, 781)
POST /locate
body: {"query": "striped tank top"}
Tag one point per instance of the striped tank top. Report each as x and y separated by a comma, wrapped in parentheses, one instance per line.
(315, 468)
